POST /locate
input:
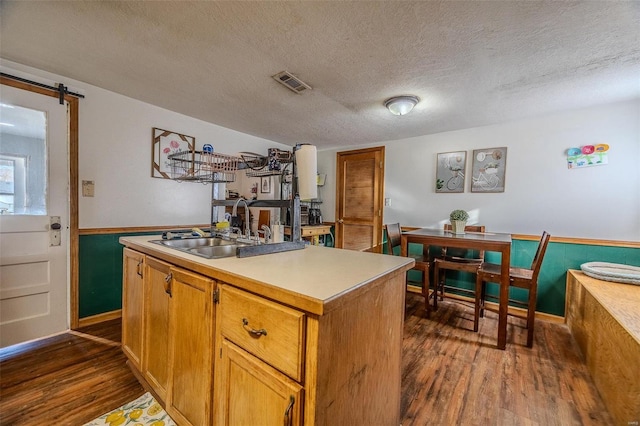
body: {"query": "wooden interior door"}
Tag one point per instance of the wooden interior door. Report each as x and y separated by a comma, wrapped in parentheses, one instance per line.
(359, 199)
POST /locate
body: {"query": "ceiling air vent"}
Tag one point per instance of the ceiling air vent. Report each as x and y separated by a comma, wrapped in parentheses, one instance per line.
(291, 82)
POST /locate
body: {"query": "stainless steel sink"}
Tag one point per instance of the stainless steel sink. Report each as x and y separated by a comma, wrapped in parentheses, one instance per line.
(216, 247)
(211, 248)
(214, 252)
(189, 243)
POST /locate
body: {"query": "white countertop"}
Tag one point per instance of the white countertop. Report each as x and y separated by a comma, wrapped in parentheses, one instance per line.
(315, 274)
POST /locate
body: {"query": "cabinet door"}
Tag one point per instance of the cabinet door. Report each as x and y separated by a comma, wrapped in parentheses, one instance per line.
(250, 392)
(191, 330)
(155, 365)
(132, 306)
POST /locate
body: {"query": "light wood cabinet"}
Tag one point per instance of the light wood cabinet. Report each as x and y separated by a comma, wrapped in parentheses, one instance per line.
(191, 330)
(268, 330)
(133, 306)
(168, 334)
(264, 354)
(251, 392)
(602, 317)
(155, 366)
(261, 351)
(342, 367)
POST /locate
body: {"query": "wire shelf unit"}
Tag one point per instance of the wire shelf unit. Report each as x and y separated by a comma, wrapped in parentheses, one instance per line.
(260, 166)
(266, 172)
(203, 166)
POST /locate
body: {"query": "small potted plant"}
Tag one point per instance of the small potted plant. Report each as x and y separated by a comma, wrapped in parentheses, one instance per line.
(458, 219)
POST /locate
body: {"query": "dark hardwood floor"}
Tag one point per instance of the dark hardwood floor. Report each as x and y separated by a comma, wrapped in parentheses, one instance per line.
(451, 375)
(69, 379)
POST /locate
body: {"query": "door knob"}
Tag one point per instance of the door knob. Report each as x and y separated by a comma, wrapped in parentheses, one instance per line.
(55, 235)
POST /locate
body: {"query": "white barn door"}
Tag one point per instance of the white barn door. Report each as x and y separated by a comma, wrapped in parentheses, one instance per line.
(34, 201)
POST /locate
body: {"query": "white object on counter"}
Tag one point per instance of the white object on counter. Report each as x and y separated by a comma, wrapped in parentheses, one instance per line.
(277, 233)
(307, 169)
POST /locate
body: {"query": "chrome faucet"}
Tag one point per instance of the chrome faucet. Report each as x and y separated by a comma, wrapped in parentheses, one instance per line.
(247, 227)
(267, 233)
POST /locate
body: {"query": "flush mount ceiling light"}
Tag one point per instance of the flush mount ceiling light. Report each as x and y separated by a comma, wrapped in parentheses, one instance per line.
(401, 105)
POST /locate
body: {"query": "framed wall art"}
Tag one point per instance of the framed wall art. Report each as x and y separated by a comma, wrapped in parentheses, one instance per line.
(450, 171)
(165, 143)
(265, 185)
(488, 169)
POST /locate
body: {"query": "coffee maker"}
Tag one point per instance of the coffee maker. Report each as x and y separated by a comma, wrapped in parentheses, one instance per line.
(315, 216)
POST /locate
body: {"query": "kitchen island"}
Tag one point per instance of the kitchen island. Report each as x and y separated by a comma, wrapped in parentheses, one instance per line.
(311, 336)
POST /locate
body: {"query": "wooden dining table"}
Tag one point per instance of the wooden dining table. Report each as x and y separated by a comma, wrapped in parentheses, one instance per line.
(487, 241)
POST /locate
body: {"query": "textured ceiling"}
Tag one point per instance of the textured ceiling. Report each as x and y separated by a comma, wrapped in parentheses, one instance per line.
(472, 63)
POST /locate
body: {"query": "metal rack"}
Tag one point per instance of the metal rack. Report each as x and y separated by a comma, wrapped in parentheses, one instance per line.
(274, 164)
(211, 167)
(277, 163)
(200, 166)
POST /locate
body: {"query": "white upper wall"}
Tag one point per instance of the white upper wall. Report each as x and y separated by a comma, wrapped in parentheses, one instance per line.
(541, 193)
(115, 152)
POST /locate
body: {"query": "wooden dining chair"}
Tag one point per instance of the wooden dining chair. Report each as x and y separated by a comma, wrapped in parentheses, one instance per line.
(462, 260)
(518, 277)
(394, 240)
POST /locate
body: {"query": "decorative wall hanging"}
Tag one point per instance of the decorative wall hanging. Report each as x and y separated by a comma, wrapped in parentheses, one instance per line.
(450, 171)
(488, 169)
(165, 143)
(265, 185)
(588, 155)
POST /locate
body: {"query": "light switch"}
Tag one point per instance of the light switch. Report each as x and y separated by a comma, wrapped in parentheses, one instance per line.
(387, 201)
(87, 188)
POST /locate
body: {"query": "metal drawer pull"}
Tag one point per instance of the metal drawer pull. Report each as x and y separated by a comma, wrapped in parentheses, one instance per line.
(139, 270)
(253, 331)
(167, 287)
(288, 418)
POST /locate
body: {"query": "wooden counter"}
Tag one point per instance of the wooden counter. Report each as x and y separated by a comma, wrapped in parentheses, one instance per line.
(313, 279)
(311, 232)
(604, 318)
(311, 336)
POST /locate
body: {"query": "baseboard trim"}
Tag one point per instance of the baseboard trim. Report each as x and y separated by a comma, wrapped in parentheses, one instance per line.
(97, 319)
(492, 306)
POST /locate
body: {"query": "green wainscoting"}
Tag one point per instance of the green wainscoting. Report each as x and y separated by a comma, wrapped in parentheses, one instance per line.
(100, 273)
(559, 258)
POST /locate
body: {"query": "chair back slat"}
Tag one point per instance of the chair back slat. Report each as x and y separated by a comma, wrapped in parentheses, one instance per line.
(537, 259)
(394, 236)
(462, 252)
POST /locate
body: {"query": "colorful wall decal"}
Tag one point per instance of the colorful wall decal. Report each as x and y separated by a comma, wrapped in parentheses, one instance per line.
(588, 155)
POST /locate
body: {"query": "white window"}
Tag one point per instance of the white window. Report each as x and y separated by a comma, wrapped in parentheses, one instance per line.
(23, 161)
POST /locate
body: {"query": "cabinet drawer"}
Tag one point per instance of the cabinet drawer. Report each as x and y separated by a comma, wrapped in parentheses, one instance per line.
(268, 330)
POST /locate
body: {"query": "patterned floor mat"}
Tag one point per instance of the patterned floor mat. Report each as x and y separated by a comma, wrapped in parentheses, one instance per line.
(144, 411)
